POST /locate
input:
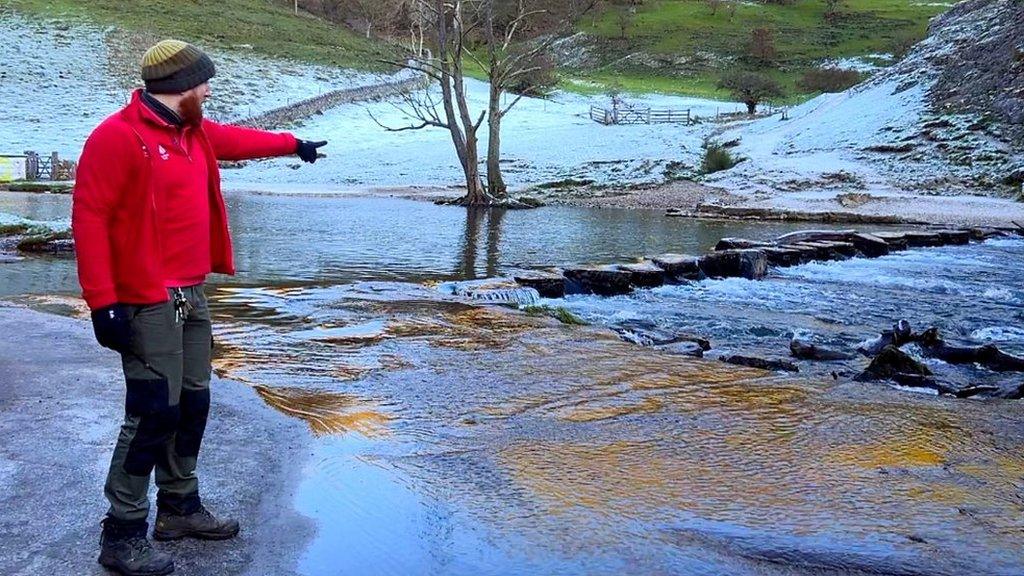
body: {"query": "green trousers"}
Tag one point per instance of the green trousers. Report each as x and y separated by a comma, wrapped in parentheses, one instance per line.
(167, 401)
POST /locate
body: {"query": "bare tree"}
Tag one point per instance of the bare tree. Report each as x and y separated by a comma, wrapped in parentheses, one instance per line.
(498, 25)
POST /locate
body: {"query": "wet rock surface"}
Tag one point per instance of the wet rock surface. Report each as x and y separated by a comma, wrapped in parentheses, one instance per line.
(762, 363)
(60, 426)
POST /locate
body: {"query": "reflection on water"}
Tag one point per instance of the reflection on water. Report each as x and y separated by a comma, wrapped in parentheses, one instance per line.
(522, 444)
(326, 412)
(315, 239)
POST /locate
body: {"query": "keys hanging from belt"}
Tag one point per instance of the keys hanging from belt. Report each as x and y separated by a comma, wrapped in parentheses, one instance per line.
(182, 307)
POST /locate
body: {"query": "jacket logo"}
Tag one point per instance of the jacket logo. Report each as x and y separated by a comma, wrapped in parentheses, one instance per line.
(163, 152)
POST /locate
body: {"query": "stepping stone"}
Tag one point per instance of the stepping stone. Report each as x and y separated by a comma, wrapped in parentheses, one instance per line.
(644, 274)
(548, 284)
(678, 267)
(601, 280)
(749, 264)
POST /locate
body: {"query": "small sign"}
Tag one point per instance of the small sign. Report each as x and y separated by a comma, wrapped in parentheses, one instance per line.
(12, 168)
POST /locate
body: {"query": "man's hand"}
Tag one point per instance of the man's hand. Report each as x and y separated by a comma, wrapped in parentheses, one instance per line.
(113, 327)
(307, 150)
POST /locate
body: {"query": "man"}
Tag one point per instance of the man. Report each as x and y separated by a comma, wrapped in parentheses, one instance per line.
(149, 224)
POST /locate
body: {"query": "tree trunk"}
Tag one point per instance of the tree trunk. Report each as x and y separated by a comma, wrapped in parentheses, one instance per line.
(751, 107)
(495, 182)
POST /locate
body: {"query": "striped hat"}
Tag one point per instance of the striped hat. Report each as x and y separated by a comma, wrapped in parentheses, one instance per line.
(173, 66)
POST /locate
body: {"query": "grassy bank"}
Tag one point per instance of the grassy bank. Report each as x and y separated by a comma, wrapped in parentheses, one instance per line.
(269, 27)
(692, 46)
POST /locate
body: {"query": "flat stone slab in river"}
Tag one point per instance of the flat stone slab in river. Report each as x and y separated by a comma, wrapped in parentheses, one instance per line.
(954, 237)
(895, 240)
(678, 266)
(547, 284)
(787, 256)
(740, 244)
(601, 280)
(749, 264)
(923, 239)
(644, 274)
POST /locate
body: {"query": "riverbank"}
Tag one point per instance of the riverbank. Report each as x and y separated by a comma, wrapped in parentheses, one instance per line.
(59, 427)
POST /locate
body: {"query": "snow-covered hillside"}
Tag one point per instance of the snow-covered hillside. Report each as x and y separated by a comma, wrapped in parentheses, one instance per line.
(542, 141)
(898, 131)
(57, 81)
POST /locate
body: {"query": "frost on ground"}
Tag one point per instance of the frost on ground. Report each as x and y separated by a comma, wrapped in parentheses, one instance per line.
(901, 132)
(543, 141)
(60, 80)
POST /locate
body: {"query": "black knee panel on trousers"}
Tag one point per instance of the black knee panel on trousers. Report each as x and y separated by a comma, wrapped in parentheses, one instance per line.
(148, 400)
(195, 409)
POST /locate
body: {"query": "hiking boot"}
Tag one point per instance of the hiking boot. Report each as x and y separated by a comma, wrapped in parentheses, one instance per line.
(202, 525)
(125, 550)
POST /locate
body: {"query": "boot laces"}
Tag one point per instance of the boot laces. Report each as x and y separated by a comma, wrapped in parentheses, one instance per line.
(139, 545)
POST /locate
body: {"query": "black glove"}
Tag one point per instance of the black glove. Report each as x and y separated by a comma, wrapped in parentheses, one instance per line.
(308, 150)
(113, 327)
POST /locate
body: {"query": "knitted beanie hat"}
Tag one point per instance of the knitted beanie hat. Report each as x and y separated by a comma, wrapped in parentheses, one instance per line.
(173, 66)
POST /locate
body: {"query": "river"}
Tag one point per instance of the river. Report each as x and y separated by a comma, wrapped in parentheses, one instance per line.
(455, 439)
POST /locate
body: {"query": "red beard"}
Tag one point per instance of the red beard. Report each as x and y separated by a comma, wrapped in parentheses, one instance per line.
(191, 110)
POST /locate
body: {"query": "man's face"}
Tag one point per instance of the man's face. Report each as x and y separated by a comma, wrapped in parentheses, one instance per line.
(192, 104)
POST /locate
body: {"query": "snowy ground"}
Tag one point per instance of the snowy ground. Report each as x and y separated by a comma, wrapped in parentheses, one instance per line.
(56, 110)
(542, 141)
(884, 139)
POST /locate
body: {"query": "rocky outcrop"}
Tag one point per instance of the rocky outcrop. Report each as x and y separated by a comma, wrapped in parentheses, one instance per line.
(894, 364)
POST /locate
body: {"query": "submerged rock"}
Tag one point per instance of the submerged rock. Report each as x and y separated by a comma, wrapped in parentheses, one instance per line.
(647, 333)
(762, 363)
(691, 349)
(806, 350)
(497, 292)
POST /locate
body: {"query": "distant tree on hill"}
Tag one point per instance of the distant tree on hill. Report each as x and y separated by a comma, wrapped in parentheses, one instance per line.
(762, 46)
(750, 88)
(714, 5)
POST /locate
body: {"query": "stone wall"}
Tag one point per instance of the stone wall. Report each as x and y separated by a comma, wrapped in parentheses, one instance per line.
(280, 117)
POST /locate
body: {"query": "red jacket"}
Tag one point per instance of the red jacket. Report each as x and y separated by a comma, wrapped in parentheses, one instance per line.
(114, 217)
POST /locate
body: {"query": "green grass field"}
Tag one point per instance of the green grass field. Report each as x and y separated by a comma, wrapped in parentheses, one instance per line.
(673, 28)
(269, 26)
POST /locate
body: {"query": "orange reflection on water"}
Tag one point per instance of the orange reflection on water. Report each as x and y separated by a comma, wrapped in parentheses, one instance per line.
(327, 412)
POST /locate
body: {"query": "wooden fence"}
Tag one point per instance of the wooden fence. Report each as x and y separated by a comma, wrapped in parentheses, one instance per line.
(636, 115)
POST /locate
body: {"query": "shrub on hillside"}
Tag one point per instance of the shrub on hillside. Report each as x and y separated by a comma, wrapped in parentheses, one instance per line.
(717, 158)
(828, 80)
